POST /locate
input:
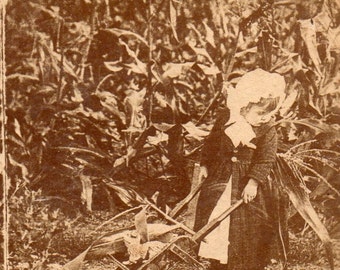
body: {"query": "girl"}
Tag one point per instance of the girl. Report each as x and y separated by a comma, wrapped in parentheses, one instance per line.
(236, 160)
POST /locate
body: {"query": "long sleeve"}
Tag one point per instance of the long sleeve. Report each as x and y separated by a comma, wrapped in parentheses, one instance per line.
(212, 142)
(264, 156)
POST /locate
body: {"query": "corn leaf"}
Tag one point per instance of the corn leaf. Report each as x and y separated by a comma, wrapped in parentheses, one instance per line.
(78, 262)
(209, 70)
(174, 70)
(139, 67)
(308, 34)
(209, 35)
(22, 77)
(135, 248)
(114, 243)
(120, 32)
(141, 226)
(113, 66)
(195, 131)
(173, 19)
(158, 138)
(128, 195)
(290, 182)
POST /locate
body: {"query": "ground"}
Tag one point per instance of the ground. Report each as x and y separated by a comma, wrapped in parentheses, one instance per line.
(306, 251)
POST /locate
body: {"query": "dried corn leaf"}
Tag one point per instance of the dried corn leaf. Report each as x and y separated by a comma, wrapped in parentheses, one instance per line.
(78, 262)
(137, 250)
(87, 191)
(112, 244)
(141, 226)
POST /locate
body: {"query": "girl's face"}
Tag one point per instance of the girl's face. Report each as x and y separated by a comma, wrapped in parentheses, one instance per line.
(256, 114)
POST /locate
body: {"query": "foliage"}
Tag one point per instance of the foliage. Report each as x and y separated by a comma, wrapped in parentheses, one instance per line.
(109, 101)
(33, 226)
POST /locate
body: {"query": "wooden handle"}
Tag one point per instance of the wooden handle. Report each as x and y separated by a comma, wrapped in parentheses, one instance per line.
(177, 210)
(210, 226)
(197, 187)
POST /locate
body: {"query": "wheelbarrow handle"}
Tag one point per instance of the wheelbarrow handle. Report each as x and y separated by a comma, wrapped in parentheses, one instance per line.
(210, 226)
(197, 182)
(179, 207)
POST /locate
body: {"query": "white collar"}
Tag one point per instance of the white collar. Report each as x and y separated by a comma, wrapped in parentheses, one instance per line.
(240, 131)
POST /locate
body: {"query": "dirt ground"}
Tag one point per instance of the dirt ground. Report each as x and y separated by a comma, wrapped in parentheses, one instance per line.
(86, 229)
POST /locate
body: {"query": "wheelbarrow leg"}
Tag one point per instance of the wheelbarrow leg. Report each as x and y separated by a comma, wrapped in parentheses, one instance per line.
(175, 249)
(118, 263)
(185, 256)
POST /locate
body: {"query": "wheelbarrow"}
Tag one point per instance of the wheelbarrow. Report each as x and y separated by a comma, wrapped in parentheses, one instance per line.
(180, 248)
(180, 245)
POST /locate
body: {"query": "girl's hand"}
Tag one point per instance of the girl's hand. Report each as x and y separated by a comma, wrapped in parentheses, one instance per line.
(203, 173)
(250, 191)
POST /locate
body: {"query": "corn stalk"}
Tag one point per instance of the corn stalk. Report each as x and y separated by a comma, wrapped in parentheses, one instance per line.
(149, 94)
(289, 178)
(243, 24)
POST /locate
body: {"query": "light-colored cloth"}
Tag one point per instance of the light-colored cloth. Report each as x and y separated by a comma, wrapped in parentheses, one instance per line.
(252, 86)
(240, 132)
(216, 243)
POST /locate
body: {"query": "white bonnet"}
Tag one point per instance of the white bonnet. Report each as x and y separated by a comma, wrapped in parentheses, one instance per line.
(255, 85)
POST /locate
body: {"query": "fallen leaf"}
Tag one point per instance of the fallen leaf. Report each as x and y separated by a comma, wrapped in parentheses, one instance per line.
(78, 262)
(141, 226)
(87, 191)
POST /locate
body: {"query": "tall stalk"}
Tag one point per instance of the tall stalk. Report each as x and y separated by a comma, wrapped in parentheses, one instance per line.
(3, 158)
(89, 42)
(61, 49)
(149, 95)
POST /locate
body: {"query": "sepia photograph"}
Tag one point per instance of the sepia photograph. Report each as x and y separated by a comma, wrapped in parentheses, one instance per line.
(170, 134)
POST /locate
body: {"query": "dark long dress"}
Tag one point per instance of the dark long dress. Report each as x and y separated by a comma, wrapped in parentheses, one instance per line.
(252, 227)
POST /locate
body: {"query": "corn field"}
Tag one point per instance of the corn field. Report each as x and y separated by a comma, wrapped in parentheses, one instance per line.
(106, 104)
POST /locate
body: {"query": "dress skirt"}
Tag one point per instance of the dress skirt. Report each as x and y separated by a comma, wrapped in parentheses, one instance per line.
(250, 230)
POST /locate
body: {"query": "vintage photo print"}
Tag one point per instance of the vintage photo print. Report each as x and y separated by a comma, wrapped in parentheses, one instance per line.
(170, 134)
